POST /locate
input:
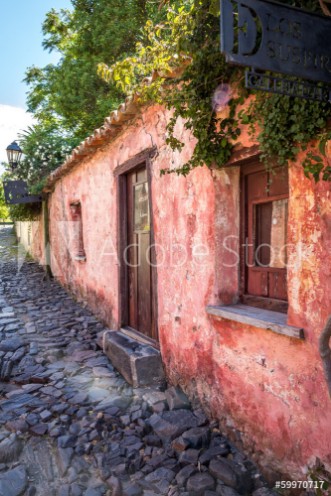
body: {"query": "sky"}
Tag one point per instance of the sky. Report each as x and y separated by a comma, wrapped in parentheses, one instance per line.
(21, 47)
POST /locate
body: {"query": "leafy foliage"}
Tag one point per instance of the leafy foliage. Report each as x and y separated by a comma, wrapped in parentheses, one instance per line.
(188, 37)
(321, 477)
(180, 38)
(191, 32)
(24, 212)
(287, 124)
(68, 99)
(193, 102)
(4, 211)
(71, 93)
(309, 5)
(158, 52)
(44, 148)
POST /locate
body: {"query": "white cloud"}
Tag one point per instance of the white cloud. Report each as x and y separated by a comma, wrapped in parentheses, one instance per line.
(13, 120)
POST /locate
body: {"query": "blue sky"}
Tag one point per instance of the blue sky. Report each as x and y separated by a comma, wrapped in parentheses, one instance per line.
(20, 42)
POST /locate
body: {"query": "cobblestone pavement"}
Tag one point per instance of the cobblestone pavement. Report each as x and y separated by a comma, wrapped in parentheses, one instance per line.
(71, 425)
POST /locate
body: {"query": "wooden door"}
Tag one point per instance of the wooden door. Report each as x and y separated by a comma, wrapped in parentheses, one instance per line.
(139, 254)
(265, 209)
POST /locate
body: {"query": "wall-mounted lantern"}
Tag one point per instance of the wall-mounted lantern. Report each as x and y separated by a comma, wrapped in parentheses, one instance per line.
(14, 154)
(17, 191)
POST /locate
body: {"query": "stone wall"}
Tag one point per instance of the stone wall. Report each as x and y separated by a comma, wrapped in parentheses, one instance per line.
(30, 236)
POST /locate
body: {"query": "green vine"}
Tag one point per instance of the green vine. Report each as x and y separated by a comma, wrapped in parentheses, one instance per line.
(191, 32)
(206, 72)
(321, 477)
(286, 126)
(314, 165)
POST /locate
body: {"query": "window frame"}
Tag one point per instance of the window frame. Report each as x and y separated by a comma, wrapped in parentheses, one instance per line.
(247, 222)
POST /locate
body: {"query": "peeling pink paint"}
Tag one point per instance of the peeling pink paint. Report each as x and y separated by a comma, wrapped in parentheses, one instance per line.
(267, 389)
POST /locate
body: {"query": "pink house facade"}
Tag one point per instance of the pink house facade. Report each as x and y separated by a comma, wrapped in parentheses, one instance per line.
(244, 342)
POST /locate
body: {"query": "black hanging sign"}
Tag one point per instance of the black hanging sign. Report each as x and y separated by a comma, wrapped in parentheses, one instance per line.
(284, 86)
(273, 37)
(16, 192)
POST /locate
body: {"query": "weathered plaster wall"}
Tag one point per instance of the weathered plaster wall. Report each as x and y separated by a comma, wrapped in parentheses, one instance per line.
(270, 388)
(94, 280)
(30, 235)
(267, 389)
(93, 184)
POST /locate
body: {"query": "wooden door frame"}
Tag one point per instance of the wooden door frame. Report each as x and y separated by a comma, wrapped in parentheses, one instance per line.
(142, 159)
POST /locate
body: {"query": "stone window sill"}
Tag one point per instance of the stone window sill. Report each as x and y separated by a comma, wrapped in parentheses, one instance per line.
(256, 317)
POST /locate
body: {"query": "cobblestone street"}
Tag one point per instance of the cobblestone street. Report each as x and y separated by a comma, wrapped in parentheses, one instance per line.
(71, 425)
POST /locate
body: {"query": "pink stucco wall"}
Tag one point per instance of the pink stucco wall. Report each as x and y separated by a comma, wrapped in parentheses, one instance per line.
(267, 389)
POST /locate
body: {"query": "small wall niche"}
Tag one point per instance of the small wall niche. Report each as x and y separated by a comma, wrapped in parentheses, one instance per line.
(78, 250)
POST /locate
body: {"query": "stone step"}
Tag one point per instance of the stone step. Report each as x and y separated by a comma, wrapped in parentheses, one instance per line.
(140, 364)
